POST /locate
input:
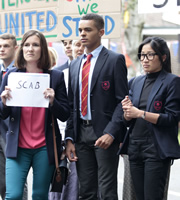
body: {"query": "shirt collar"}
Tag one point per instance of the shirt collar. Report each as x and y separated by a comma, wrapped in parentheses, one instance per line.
(96, 52)
(8, 68)
(69, 62)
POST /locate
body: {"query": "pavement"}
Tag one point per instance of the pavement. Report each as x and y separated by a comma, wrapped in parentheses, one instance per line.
(174, 187)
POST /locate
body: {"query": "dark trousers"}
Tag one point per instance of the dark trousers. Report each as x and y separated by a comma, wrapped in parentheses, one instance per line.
(96, 167)
(148, 171)
(128, 187)
(149, 179)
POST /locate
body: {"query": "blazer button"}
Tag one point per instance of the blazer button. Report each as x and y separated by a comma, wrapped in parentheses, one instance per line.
(12, 119)
(12, 132)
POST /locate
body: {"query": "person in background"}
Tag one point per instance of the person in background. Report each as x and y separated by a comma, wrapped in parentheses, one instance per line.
(97, 85)
(67, 44)
(53, 56)
(78, 48)
(29, 136)
(72, 186)
(128, 187)
(72, 48)
(8, 48)
(152, 112)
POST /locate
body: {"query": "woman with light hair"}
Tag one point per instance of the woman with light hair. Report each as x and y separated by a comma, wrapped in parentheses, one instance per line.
(53, 56)
(78, 48)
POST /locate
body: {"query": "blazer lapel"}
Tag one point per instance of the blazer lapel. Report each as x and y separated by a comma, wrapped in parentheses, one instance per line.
(1, 75)
(157, 85)
(138, 85)
(98, 66)
(75, 74)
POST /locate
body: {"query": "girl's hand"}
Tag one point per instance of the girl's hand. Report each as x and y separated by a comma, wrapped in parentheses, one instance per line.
(49, 94)
(6, 94)
(132, 112)
(126, 104)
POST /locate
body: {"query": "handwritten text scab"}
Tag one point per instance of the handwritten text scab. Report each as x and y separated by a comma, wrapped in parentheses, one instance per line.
(28, 85)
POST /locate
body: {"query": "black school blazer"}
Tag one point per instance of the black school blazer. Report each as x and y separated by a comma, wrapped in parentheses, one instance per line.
(164, 99)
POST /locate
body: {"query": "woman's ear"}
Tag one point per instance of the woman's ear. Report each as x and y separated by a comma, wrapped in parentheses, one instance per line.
(164, 57)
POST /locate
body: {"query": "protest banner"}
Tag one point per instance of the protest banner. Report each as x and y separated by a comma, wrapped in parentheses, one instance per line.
(56, 19)
(70, 12)
(27, 89)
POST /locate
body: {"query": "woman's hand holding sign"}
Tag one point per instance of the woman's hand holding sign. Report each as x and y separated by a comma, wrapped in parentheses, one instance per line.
(6, 95)
(49, 94)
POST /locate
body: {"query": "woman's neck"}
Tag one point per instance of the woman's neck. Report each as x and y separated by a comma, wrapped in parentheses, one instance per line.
(33, 68)
(153, 75)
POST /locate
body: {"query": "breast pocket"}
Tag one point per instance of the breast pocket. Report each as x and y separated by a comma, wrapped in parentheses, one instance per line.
(105, 84)
(158, 103)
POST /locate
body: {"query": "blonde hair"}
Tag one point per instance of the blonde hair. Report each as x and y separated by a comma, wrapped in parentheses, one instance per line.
(53, 56)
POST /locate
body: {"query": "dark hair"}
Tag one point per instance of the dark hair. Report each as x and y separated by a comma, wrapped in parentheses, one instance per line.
(63, 41)
(99, 21)
(159, 45)
(44, 60)
(8, 36)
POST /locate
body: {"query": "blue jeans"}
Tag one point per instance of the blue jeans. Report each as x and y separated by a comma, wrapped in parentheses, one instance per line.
(17, 170)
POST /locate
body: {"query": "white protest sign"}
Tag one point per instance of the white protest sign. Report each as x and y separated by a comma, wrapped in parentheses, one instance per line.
(27, 89)
(158, 6)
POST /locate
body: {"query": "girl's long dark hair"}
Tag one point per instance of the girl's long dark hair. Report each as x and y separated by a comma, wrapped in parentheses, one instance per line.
(159, 45)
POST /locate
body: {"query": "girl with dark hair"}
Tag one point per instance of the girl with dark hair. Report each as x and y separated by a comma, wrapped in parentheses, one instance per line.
(29, 137)
(152, 112)
(159, 46)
